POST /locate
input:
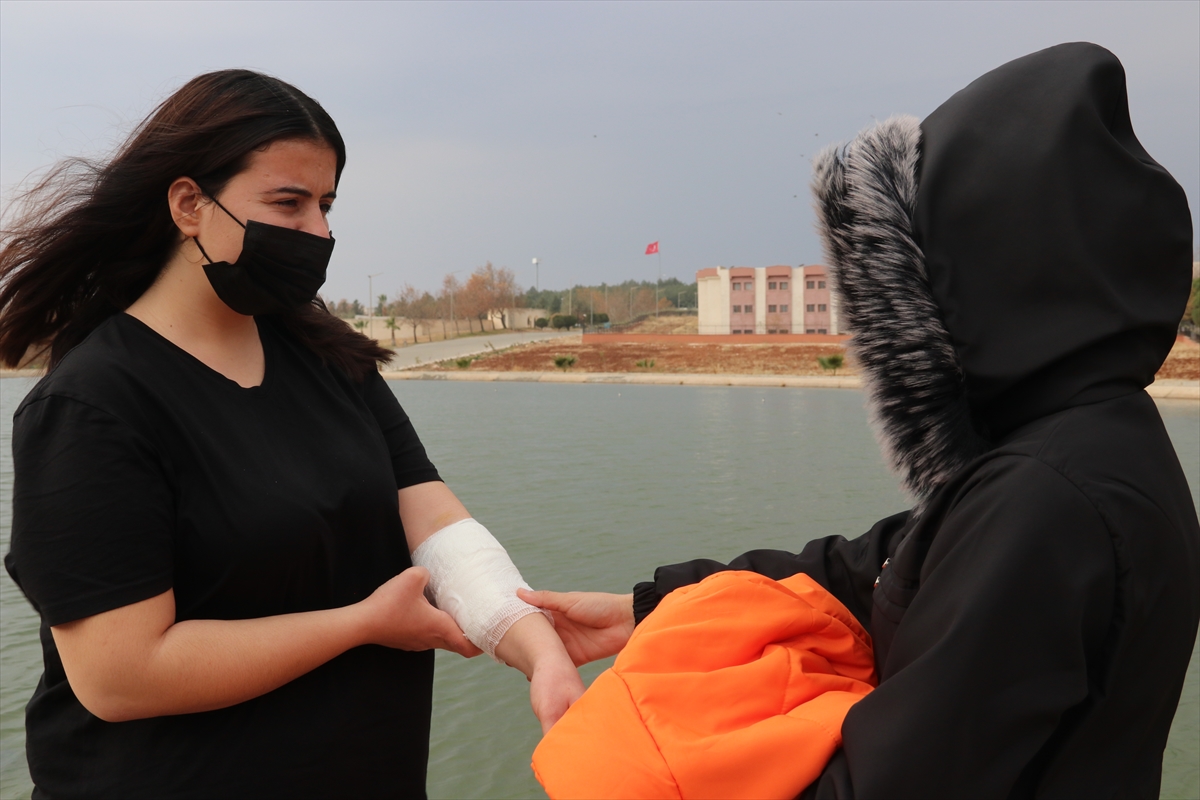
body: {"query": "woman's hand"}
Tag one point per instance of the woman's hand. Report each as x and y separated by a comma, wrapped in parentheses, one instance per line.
(398, 615)
(592, 625)
(136, 661)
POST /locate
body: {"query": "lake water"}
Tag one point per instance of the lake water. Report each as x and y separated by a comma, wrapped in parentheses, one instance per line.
(591, 487)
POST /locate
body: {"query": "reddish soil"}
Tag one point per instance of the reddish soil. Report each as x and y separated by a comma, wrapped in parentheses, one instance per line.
(1183, 363)
(735, 359)
(738, 359)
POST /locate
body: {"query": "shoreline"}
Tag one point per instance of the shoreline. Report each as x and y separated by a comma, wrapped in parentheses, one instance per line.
(1160, 389)
(1167, 389)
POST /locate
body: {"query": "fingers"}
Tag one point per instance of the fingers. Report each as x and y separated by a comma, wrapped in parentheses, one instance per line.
(551, 601)
(451, 636)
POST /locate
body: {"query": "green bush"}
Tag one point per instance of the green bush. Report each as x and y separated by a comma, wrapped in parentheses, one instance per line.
(833, 362)
(599, 319)
(645, 363)
(463, 363)
(541, 322)
(563, 362)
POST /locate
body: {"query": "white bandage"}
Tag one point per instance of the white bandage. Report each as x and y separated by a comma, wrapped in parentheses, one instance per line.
(472, 579)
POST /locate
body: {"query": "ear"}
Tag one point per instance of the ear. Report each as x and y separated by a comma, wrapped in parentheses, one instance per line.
(185, 199)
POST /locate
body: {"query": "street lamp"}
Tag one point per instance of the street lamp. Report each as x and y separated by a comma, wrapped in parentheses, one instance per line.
(536, 280)
(371, 304)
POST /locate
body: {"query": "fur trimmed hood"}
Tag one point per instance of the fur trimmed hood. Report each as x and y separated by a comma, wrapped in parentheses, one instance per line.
(866, 196)
(1015, 254)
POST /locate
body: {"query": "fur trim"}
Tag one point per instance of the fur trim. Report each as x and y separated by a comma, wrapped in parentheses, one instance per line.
(866, 194)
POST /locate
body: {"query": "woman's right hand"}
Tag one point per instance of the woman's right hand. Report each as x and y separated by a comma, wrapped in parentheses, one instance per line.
(398, 615)
(592, 625)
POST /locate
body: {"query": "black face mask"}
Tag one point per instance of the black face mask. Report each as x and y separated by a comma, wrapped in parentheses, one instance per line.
(279, 269)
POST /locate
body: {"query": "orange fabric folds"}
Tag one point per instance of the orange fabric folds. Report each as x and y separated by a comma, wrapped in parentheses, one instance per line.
(734, 687)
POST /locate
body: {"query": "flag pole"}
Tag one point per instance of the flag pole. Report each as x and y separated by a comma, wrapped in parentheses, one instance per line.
(657, 286)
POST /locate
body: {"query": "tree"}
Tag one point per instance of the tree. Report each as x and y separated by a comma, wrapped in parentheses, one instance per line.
(560, 321)
(391, 323)
(419, 308)
(545, 299)
(425, 311)
(347, 310)
(379, 310)
(541, 322)
(490, 291)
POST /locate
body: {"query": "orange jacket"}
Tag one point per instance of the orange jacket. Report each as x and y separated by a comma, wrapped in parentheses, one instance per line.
(733, 687)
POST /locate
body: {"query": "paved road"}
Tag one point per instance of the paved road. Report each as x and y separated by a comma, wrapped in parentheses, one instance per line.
(428, 352)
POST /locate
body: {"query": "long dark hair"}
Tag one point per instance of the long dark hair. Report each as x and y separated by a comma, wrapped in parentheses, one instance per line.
(91, 236)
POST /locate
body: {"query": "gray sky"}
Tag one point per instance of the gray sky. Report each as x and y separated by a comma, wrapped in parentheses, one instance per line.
(575, 132)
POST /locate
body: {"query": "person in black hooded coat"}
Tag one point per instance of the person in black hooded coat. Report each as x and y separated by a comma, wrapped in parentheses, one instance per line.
(1012, 270)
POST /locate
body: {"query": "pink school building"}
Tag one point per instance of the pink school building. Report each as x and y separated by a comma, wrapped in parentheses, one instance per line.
(766, 300)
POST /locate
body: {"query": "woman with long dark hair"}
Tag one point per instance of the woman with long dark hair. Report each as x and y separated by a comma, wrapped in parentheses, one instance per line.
(218, 502)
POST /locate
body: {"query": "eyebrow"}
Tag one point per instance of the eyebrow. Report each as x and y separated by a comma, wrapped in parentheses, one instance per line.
(300, 191)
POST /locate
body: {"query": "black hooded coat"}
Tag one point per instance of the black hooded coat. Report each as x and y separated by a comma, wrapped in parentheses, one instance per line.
(1013, 270)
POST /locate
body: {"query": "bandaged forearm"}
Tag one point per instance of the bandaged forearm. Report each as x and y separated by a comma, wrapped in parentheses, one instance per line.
(473, 580)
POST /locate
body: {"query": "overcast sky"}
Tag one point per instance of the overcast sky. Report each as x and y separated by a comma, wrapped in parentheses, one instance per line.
(575, 132)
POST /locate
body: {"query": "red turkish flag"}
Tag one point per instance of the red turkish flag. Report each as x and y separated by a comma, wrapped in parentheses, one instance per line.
(652, 248)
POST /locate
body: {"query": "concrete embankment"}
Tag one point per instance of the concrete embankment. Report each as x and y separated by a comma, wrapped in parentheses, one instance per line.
(652, 378)
(1164, 389)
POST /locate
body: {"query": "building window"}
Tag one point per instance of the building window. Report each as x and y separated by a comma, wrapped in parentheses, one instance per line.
(737, 309)
(810, 307)
(748, 285)
(821, 330)
(772, 285)
(820, 284)
(783, 330)
(737, 287)
(771, 309)
(749, 309)
(822, 307)
(783, 284)
(811, 330)
(772, 330)
(783, 308)
(810, 284)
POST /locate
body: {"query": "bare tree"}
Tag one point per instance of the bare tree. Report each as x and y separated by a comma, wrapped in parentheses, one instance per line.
(423, 311)
(490, 291)
(404, 306)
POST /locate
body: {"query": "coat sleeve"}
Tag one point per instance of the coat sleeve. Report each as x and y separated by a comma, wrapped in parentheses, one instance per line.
(996, 650)
(846, 568)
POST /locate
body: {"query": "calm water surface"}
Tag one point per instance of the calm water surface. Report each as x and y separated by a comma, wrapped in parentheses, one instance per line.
(591, 487)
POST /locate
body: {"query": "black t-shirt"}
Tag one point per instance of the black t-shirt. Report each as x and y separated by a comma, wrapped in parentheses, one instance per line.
(139, 469)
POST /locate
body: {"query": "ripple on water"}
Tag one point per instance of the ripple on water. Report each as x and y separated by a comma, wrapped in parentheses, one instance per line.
(591, 487)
